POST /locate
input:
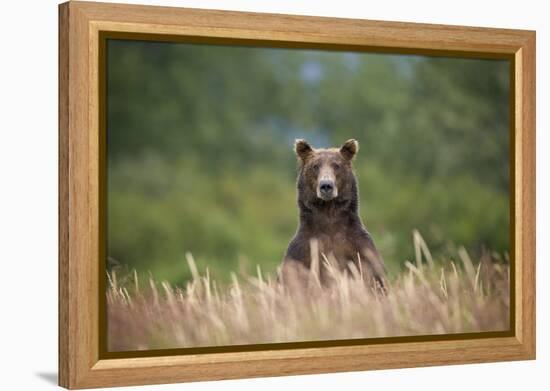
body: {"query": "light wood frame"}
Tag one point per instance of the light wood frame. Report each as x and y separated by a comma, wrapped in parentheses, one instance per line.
(80, 24)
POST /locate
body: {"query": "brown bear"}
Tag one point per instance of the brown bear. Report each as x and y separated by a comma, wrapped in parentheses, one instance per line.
(330, 229)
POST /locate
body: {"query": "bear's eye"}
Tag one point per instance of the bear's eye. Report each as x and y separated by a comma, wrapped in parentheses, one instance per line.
(336, 166)
(315, 166)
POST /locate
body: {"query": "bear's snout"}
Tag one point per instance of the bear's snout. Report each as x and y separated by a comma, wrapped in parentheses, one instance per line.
(326, 190)
(326, 187)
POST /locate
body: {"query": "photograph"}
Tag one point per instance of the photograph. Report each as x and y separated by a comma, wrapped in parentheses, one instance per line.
(265, 195)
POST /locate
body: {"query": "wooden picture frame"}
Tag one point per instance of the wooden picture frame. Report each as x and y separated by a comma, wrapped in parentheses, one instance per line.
(82, 363)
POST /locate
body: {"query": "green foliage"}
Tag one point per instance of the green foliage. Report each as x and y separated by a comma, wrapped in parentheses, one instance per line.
(200, 151)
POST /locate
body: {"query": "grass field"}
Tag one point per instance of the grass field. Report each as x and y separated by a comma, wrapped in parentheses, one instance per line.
(431, 297)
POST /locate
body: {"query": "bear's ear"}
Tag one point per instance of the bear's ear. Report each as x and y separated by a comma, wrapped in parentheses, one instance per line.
(303, 149)
(349, 149)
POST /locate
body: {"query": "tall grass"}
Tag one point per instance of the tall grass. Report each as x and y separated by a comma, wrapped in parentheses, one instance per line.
(431, 297)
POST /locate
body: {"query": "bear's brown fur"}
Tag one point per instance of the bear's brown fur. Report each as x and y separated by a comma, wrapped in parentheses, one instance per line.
(329, 218)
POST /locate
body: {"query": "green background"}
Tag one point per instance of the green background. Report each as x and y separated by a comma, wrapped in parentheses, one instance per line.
(199, 141)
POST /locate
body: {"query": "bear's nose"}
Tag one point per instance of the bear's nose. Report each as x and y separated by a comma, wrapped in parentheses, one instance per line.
(326, 187)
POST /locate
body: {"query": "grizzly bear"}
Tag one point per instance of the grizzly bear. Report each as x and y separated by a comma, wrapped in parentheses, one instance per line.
(330, 229)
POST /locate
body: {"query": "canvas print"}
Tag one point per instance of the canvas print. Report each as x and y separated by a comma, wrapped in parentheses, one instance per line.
(265, 195)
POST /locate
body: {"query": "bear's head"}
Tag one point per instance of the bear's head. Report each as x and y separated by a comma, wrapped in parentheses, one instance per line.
(326, 174)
